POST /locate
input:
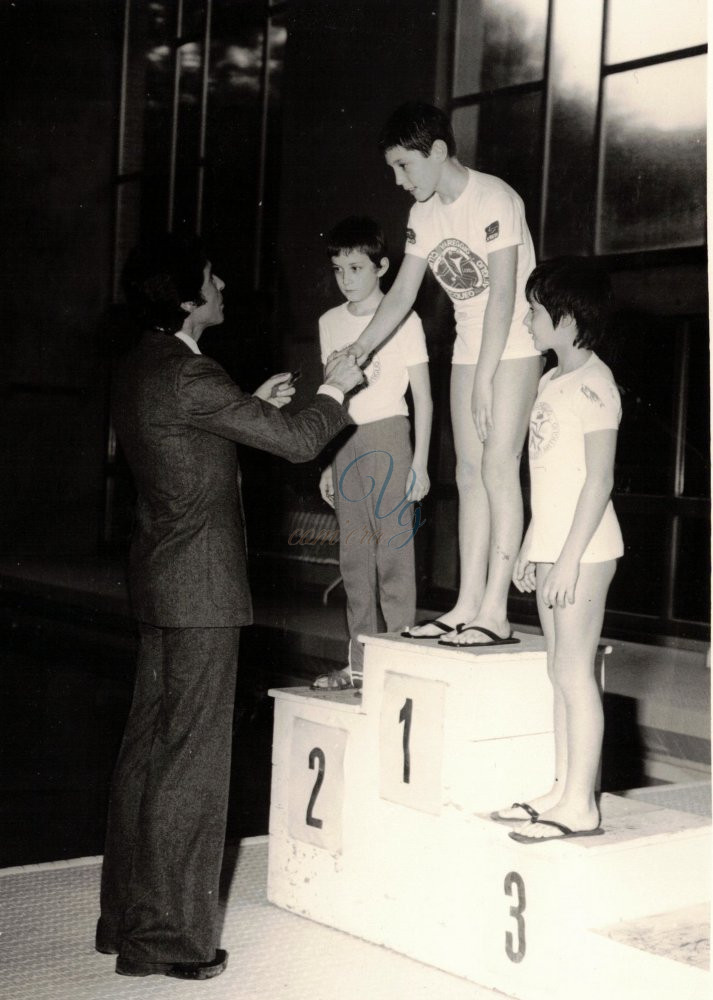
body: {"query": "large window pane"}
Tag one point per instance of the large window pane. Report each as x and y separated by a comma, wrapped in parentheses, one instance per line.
(653, 158)
(573, 92)
(692, 590)
(697, 470)
(233, 149)
(643, 362)
(499, 43)
(638, 28)
(519, 163)
(160, 36)
(637, 584)
(190, 57)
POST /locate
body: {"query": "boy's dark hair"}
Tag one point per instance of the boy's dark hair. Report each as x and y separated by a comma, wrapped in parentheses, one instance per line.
(358, 232)
(160, 274)
(416, 125)
(576, 287)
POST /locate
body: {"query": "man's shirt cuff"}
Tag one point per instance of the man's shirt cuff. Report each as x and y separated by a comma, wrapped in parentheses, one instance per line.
(331, 390)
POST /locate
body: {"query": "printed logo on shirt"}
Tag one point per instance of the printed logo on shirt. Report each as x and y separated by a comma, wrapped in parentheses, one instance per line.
(410, 235)
(591, 395)
(461, 272)
(372, 372)
(492, 231)
(544, 429)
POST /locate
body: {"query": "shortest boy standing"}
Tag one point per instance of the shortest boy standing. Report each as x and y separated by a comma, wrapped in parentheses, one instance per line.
(571, 546)
(375, 478)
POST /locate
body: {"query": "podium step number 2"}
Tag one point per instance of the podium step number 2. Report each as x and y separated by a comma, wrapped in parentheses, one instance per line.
(316, 788)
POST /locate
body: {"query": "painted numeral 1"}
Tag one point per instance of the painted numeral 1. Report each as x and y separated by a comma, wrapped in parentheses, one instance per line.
(405, 716)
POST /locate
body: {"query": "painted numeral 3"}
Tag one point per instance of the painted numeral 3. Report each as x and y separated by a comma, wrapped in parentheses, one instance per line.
(516, 954)
(316, 756)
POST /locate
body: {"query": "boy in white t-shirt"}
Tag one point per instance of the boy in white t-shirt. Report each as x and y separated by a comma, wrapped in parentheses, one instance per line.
(470, 229)
(375, 479)
(571, 546)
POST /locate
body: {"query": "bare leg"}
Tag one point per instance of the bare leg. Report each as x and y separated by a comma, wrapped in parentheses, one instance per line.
(577, 629)
(514, 393)
(473, 507)
(550, 798)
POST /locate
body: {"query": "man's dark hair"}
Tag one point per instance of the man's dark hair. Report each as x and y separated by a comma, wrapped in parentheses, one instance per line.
(160, 274)
(358, 232)
(576, 287)
(416, 125)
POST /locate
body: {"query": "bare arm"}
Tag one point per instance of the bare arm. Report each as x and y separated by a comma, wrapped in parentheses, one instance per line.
(393, 308)
(502, 267)
(599, 451)
(422, 419)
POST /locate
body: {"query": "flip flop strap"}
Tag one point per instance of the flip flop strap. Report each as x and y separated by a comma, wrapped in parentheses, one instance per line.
(526, 807)
(557, 826)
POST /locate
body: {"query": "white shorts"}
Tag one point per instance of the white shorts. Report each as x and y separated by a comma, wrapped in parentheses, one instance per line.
(466, 348)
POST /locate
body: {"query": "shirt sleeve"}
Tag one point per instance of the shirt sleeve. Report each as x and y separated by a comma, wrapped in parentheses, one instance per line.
(504, 222)
(412, 341)
(416, 236)
(325, 348)
(597, 404)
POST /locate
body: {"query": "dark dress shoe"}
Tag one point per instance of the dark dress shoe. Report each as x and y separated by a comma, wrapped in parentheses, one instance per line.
(178, 970)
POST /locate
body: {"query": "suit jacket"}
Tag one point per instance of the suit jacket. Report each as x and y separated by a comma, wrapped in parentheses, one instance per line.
(178, 416)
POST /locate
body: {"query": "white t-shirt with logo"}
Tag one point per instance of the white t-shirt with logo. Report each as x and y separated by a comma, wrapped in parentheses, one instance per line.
(387, 372)
(456, 238)
(568, 407)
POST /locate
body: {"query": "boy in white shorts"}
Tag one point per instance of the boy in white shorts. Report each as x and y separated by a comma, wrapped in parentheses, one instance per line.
(470, 229)
(375, 478)
(573, 541)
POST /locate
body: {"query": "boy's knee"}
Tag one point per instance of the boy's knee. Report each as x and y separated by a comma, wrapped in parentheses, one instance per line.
(468, 476)
(499, 468)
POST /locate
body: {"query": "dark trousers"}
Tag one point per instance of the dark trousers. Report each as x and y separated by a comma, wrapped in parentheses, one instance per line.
(169, 798)
(376, 550)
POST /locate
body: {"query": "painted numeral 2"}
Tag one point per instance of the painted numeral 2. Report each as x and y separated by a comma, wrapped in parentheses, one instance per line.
(516, 954)
(405, 716)
(316, 756)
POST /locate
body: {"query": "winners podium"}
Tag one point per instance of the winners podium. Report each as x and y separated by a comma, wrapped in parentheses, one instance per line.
(379, 826)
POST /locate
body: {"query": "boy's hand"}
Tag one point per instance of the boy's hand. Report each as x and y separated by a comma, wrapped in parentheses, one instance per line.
(561, 583)
(354, 350)
(342, 372)
(326, 486)
(524, 574)
(418, 475)
(278, 390)
(481, 405)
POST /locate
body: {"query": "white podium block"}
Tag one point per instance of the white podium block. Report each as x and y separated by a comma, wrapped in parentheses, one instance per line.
(492, 693)
(379, 826)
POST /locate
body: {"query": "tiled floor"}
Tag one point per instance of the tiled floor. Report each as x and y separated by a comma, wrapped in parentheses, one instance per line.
(47, 917)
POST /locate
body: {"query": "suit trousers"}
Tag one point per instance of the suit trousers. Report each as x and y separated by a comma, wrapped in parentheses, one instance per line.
(169, 798)
(376, 549)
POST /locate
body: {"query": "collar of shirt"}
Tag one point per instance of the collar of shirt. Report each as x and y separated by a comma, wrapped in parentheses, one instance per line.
(188, 341)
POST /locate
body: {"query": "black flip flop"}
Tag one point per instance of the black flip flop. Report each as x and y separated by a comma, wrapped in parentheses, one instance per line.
(525, 806)
(565, 833)
(444, 629)
(493, 638)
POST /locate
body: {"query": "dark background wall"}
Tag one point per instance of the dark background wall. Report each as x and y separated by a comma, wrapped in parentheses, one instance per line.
(57, 148)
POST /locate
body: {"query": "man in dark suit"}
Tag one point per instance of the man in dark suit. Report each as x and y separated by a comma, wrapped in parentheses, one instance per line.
(178, 417)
